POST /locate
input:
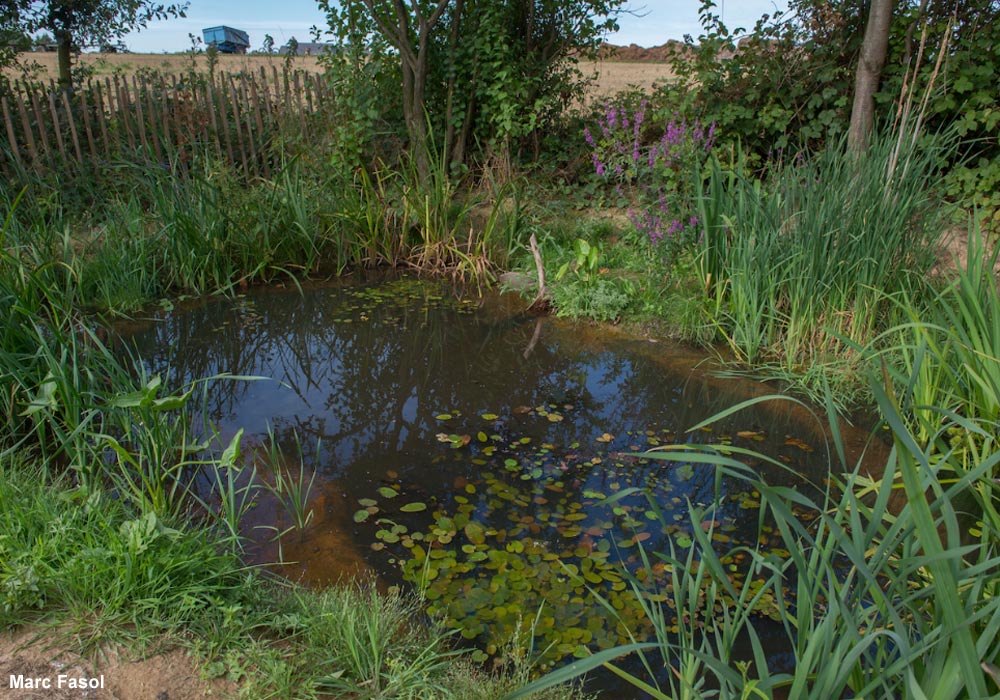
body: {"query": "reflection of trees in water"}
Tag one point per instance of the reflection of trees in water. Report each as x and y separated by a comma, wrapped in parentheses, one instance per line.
(366, 385)
(370, 388)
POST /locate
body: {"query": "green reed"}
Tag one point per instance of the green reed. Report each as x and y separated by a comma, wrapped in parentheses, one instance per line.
(881, 594)
(800, 265)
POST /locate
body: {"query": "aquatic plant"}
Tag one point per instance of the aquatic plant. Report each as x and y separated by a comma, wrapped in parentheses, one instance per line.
(519, 552)
(887, 599)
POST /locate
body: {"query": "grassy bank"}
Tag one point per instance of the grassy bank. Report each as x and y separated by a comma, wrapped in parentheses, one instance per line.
(821, 274)
(816, 273)
(793, 275)
(103, 534)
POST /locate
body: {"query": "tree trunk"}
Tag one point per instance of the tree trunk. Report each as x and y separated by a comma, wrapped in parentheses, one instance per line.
(413, 64)
(65, 58)
(869, 73)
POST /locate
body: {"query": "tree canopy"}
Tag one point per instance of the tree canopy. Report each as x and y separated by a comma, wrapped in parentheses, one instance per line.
(76, 23)
(493, 71)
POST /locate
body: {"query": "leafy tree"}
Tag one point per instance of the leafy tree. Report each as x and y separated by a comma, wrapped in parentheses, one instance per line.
(76, 23)
(486, 71)
(791, 81)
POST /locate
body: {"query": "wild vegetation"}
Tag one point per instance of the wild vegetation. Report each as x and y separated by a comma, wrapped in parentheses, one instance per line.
(741, 219)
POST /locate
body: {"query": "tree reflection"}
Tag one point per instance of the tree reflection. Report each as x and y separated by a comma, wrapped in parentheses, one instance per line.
(367, 371)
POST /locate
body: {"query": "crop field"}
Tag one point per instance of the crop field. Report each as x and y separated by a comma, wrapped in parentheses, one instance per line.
(612, 76)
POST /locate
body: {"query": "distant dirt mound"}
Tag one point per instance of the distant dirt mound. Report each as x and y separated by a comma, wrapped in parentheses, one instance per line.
(639, 54)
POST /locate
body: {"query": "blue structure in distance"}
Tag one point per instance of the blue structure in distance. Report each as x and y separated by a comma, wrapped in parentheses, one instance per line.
(227, 39)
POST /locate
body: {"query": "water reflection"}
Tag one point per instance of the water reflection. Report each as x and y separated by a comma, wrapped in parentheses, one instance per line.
(468, 426)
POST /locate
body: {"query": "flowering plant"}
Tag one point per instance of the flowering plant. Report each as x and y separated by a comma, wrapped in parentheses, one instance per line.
(656, 176)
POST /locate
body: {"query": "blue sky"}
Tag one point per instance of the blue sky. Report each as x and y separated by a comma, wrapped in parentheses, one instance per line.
(662, 20)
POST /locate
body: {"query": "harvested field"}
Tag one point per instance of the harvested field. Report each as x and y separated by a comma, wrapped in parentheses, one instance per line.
(612, 75)
(128, 63)
(615, 76)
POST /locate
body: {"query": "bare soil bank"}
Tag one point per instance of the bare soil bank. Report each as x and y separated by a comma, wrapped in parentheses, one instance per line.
(35, 665)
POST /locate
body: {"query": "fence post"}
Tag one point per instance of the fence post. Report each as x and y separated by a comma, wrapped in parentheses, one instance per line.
(86, 121)
(72, 127)
(38, 114)
(104, 115)
(234, 101)
(10, 131)
(56, 125)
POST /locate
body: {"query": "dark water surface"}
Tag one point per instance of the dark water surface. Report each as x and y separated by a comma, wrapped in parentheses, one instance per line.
(484, 447)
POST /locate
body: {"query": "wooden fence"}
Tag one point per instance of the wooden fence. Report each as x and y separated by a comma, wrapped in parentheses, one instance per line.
(165, 119)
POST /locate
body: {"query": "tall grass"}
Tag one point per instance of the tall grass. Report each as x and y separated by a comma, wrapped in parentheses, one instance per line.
(800, 265)
(946, 360)
(100, 523)
(877, 598)
(114, 571)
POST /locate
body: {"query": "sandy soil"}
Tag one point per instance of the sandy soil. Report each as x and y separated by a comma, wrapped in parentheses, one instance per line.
(24, 658)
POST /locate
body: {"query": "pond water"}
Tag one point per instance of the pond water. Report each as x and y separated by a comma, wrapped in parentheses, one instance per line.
(472, 449)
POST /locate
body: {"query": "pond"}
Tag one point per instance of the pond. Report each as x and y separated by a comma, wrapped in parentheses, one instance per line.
(476, 451)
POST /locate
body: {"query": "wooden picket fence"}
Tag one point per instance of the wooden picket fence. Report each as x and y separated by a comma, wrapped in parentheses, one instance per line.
(166, 119)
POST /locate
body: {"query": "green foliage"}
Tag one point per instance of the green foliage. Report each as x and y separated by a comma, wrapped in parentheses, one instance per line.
(888, 600)
(82, 551)
(367, 113)
(584, 263)
(946, 359)
(794, 278)
(968, 101)
(601, 300)
(788, 84)
(496, 74)
(587, 294)
(658, 179)
(80, 23)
